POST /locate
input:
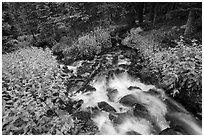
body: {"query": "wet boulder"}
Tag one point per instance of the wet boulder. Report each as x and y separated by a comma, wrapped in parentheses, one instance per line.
(128, 100)
(106, 107)
(170, 131)
(132, 133)
(133, 87)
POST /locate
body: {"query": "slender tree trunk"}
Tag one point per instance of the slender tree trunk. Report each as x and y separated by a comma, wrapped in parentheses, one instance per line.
(155, 13)
(140, 12)
(189, 23)
(33, 35)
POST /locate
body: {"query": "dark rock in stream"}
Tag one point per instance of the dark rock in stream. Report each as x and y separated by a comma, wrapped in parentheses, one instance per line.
(82, 116)
(119, 71)
(133, 87)
(124, 66)
(106, 107)
(66, 70)
(153, 92)
(89, 88)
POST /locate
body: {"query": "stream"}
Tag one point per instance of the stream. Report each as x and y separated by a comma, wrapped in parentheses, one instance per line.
(117, 102)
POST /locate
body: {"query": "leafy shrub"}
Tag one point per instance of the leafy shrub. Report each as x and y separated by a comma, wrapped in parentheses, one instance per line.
(7, 46)
(89, 45)
(33, 80)
(23, 38)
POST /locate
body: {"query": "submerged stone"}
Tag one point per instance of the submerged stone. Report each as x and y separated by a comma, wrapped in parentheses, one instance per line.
(112, 94)
(106, 107)
(140, 111)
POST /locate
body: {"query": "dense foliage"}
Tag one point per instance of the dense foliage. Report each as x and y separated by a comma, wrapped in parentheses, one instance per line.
(33, 80)
(178, 70)
(89, 45)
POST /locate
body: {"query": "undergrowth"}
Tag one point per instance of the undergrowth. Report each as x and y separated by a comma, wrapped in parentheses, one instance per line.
(89, 45)
(32, 80)
(178, 70)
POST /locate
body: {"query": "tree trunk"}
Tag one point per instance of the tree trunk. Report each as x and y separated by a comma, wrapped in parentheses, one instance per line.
(155, 13)
(189, 24)
(140, 12)
(152, 12)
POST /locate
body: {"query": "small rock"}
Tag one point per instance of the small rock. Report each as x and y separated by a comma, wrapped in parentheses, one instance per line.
(106, 107)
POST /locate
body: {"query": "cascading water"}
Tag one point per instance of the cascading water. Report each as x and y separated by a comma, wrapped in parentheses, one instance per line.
(121, 104)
